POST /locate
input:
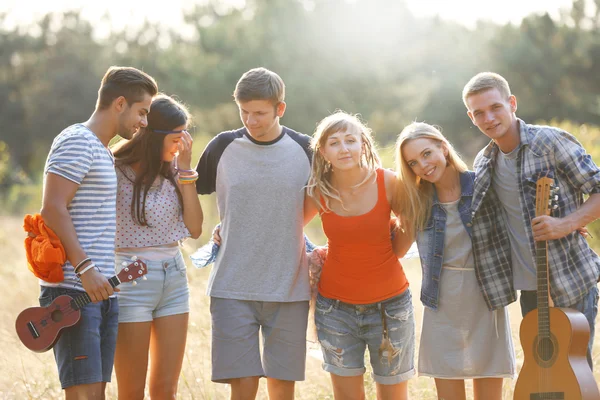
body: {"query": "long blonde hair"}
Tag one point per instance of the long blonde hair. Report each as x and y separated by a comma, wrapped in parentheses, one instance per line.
(319, 183)
(414, 196)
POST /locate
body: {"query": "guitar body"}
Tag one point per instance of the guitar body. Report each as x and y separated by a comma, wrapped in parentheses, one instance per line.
(39, 328)
(556, 368)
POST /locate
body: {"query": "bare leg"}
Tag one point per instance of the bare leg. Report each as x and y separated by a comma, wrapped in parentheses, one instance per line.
(487, 389)
(398, 391)
(450, 389)
(280, 390)
(131, 359)
(348, 387)
(91, 391)
(167, 348)
(244, 388)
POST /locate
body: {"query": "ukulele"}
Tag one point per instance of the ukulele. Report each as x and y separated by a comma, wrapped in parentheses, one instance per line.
(39, 328)
(554, 340)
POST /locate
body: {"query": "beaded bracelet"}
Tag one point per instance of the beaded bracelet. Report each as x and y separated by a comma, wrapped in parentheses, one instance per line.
(80, 264)
(187, 181)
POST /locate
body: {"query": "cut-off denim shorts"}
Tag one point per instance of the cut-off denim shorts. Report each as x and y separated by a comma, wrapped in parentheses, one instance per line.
(346, 330)
(164, 292)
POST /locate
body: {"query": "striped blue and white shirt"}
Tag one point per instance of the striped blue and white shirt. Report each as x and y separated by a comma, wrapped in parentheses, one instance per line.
(78, 155)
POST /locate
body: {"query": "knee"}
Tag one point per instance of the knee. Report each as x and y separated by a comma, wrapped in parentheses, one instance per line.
(162, 392)
(244, 388)
(133, 393)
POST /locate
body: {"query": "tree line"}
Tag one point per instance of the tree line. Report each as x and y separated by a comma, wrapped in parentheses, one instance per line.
(371, 57)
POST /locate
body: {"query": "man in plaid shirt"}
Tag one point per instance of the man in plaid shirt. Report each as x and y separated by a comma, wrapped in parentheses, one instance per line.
(506, 173)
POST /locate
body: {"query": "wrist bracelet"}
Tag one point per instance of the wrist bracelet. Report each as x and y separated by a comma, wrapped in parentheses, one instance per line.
(191, 175)
(86, 269)
(186, 170)
(80, 264)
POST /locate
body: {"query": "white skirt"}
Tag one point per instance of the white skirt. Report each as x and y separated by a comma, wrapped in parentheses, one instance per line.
(463, 339)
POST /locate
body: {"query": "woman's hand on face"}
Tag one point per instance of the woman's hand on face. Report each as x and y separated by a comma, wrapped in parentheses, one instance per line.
(184, 159)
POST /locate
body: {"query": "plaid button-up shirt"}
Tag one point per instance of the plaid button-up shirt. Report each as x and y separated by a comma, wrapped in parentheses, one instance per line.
(574, 267)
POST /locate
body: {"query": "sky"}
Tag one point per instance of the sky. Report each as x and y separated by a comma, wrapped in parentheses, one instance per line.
(128, 12)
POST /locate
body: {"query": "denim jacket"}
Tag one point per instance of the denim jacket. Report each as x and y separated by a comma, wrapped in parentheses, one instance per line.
(430, 241)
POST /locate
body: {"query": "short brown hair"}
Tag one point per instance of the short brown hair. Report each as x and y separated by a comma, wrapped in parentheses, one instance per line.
(259, 84)
(485, 81)
(128, 82)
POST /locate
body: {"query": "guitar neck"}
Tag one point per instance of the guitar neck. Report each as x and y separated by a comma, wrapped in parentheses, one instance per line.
(543, 304)
(83, 299)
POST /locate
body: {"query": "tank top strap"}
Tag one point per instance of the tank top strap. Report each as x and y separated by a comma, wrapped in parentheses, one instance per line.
(381, 192)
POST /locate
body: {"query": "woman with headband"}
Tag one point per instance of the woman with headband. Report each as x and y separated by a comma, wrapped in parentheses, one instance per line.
(157, 208)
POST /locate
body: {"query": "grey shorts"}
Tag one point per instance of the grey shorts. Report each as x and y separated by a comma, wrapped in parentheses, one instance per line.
(235, 339)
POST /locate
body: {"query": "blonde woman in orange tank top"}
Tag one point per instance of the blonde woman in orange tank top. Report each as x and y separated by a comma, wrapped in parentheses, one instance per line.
(364, 300)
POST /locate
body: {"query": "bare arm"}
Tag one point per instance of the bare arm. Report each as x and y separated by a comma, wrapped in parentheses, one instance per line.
(192, 210)
(402, 240)
(58, 194)
(310, 208)
(548, 228)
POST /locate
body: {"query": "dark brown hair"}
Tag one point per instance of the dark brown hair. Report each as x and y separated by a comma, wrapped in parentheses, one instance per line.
(128, 82)
(146, 148)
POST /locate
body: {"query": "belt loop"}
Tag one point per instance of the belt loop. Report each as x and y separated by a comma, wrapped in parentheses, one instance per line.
(336, 305)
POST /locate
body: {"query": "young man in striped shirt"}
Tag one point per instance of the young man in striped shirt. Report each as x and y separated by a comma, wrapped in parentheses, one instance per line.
(79, 205)
(506, 174)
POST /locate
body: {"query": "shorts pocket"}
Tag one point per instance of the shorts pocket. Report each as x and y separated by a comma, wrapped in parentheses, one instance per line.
(45, 301)
(48, 294)
(182, 269)
(400, 309)
(323, 306)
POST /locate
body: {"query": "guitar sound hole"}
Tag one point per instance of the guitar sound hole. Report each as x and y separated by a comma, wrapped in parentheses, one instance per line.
(56, 315)
(545, 349)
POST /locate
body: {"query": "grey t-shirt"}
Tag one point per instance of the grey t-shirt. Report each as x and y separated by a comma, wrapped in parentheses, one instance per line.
(458, 252)
(504, 181)
(260, 196)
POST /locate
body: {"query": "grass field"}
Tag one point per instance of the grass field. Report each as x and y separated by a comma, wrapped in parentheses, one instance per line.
(27, 375)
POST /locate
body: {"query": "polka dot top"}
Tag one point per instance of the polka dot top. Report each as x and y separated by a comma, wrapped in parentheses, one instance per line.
(163, 214)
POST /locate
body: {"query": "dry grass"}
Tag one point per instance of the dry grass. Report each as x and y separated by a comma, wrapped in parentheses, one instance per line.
(28, 375)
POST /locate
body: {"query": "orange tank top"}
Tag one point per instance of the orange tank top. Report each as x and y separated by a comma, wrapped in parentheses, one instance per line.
(361, 267)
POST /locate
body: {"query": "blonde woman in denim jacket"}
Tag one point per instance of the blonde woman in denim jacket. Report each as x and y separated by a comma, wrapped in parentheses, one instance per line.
(460, 337)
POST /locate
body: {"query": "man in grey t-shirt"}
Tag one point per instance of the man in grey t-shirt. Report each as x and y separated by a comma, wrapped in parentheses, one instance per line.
(260, 277)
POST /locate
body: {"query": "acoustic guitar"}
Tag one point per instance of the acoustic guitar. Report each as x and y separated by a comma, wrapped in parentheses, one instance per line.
(554, 340)
(39, 328)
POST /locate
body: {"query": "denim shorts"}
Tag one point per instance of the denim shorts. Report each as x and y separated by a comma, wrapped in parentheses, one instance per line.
(346, 330)
(164, 292)
(85, 352)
